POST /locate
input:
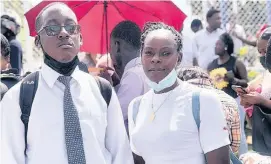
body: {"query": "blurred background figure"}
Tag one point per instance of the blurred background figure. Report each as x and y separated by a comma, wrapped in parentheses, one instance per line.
(196, 25)
(10, 29)
(236, 30)
(205, 40)
(236, 75)
(187, 58)
(9, 76)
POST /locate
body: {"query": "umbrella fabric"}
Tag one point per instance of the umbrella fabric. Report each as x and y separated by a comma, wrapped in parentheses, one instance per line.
(91, 16)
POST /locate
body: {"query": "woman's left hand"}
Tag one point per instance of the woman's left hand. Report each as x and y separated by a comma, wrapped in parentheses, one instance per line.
(253, 98)
(251, 158)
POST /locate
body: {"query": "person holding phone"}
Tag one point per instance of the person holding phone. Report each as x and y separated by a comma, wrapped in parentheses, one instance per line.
(261, 116)
(237, 75)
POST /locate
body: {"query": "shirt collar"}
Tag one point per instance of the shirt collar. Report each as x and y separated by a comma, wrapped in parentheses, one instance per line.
(132, 63)
(215, 31)
(50, 76)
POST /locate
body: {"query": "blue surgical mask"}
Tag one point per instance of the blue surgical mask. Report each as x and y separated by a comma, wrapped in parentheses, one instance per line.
(168, 81)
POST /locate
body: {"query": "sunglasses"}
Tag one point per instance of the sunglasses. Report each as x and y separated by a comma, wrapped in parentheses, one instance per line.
(53, 30)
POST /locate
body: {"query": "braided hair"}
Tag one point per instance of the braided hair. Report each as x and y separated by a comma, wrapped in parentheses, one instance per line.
(152, 26)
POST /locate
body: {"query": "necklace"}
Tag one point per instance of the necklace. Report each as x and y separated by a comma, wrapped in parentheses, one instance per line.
(153, 114)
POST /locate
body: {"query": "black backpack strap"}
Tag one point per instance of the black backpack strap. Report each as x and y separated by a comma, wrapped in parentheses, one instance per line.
(27, 93)
(83, 67)
(105, 88)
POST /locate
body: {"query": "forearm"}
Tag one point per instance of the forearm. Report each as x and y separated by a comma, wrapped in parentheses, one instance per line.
(240, 82)
(248, 42)
(267, 103)
(219, 156)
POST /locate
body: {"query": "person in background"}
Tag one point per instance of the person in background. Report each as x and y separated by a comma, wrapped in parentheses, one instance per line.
(9, 76)
(161, 124)
(5, 54)
(237, 75)
(125, 48)
(258, 34)
(261, 120)
(205, 40)
(10, 29)
(187, 58)
(234, 30)
(196, 25)
(107, 70)
(70, 121)
(200, 78)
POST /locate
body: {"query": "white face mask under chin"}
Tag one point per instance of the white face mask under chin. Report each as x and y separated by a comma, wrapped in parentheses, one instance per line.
(168, 81)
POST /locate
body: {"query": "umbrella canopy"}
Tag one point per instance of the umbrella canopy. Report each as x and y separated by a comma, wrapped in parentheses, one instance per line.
(98, 18)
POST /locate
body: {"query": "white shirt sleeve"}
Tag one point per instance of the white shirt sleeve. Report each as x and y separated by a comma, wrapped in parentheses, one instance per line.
(131, 123)
(213, 128)
(116, 137)
(131, 86)
(12, 129)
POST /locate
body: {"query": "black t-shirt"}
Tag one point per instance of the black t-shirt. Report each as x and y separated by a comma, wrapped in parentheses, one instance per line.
(230, 65)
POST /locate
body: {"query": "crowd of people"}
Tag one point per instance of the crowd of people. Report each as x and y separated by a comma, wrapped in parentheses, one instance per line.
(154, 102)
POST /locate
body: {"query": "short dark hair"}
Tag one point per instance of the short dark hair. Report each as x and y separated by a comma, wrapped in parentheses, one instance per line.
(152, 26)
(211, 12)
(266, 34)
(129, 32)
(38, 21)
(5, 47)
(196, 23)
(227, 39)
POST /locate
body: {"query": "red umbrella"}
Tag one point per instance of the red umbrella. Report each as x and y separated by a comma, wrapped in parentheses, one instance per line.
(98, 18)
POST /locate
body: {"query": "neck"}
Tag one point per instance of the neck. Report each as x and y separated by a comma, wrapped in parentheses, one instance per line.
(177, 83)
(223, 59)
(128, 57)
(65, 69)
(210, 29)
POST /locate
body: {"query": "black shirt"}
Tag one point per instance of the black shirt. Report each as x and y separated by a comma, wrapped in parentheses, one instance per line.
(230, 65)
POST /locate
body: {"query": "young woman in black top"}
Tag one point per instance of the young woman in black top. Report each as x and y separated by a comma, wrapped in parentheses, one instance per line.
(237, 75)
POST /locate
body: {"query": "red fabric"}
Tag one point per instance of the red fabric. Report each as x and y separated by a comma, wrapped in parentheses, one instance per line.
(263, 27)
(90, 16)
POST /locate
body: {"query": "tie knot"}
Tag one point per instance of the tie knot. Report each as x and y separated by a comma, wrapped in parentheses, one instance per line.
(65, 80)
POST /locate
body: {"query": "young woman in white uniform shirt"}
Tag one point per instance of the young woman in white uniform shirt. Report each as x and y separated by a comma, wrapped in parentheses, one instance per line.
(163, 130)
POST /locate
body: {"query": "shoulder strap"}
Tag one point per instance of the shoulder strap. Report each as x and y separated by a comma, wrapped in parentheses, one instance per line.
(27, 93)
(196, 115)
(196, 108)
(83, 67)
(136, 108)
(105, 89)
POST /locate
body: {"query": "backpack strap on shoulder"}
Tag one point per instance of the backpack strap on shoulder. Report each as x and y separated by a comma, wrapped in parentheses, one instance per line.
(105, 89)
(196, 115)
(27, 93)
(136, 108)
(83, 67)
(196, 107)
